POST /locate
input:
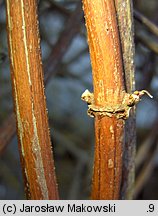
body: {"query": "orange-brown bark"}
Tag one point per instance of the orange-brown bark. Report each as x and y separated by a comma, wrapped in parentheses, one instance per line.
(106, 59)
(29, 100)
(50, 68)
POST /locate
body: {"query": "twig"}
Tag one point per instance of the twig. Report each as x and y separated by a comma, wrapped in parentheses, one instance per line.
(7, 132)
(144, 20)
(78, 153)
(57, 7)
(72, 28)
(76, 182)
(147, 41)
(145, 147)
(145, 173)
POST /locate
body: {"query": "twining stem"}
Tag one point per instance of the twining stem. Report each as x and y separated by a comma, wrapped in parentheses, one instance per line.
(29, 100)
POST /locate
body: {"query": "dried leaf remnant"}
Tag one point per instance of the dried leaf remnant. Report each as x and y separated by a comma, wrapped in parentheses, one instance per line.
(121, 111)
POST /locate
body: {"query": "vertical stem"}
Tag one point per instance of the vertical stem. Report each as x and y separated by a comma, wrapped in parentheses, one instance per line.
(124, 10)
(108, 80)
(29, 100)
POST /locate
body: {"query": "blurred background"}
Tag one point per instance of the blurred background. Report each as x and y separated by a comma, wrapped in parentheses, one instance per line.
(67, 71)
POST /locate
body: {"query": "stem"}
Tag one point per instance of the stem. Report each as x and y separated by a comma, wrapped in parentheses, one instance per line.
(51, 66)
(108, 80)
(124, 10)
(29, 100)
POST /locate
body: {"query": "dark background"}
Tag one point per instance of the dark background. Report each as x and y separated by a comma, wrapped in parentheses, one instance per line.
(71, 129)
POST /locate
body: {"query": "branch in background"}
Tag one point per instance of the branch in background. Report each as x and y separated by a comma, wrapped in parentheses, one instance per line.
(76, 181)
(124, 10)
(147, 71)
(148, 149)
(144, 38)
(145, 173)
(72, 28)
(107, 70)
(57, 7)
(146, 146)
(53, 62)
(29, 100)
(144, 20)
(7, 132)
(147, 41)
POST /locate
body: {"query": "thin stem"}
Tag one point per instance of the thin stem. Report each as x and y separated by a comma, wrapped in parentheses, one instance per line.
(144, 20)
(124, 10)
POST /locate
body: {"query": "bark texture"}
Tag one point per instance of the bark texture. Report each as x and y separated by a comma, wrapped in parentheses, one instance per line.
(124, 10)
(109, 88)
(29, 100)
